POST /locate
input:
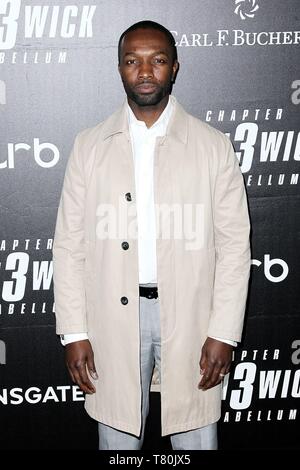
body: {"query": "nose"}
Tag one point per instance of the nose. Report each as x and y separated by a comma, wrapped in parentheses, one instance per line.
(145, 71)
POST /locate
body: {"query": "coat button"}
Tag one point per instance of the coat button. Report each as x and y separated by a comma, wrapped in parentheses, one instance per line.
(124, 300)
(125, 245)
(128, 197)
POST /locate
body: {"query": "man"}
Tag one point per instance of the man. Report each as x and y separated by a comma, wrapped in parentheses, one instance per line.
(166, 288)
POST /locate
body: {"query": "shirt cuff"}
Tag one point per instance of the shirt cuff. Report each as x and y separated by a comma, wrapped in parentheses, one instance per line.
(227, 341)
(72, 337)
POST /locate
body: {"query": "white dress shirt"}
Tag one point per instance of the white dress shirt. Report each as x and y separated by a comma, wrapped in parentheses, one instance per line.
(143, 140)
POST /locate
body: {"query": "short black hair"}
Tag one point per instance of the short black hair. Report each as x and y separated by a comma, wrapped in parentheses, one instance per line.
(148, 24)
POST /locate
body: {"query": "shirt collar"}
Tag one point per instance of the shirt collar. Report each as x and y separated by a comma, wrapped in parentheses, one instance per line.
(162, 120)
(117, 122)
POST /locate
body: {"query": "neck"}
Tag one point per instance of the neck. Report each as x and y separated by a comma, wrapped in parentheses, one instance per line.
(148, 114)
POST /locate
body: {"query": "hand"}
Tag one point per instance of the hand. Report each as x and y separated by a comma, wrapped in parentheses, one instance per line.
(215, 359)
(79, 358)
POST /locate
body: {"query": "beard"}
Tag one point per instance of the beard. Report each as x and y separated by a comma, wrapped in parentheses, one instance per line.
(147, 99)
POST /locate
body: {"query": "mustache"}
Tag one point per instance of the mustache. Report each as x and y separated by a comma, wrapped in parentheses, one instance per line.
(146, 82)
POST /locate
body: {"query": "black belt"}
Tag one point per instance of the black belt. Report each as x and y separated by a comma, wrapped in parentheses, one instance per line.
(149, 292)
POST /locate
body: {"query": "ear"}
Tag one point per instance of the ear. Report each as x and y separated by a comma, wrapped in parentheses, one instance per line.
(175, 70)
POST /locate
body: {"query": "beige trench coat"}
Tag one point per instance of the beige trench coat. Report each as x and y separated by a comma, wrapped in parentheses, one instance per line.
(202, 291)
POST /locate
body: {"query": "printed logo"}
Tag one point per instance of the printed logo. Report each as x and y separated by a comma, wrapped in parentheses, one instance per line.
(17, 263)
(246, 8)
(35, 395)
(2, 92)
(48, 161)
(38, 21)
(26, 272)
(256, 380)
(268, 263)
(19, 22)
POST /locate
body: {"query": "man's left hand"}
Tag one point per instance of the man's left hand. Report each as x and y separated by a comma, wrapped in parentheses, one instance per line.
(214, 363)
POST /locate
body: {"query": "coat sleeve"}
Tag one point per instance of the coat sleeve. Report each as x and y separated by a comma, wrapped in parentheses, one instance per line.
(231, 231)
(69, 250)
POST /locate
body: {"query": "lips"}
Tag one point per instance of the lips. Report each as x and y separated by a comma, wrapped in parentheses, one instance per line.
(146, 87)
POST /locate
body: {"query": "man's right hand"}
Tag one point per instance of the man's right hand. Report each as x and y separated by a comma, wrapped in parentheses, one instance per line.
(79, 358)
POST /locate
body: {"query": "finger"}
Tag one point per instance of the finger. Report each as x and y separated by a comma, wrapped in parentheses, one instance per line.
(92, 368)
(208, 383)
(223, 374)
(85, 387)
(202, 364)
(207, 372)
(216, 378)
(85, 379)
(211, 377)
(82, 379)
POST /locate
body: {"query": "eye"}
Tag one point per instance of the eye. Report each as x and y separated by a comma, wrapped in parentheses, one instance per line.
(131, 61)
(160, 60)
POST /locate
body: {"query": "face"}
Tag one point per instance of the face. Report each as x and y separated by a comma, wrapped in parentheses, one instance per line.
(146, 66)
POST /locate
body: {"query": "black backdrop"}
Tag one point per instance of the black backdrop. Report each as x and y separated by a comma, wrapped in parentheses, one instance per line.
(240, 71)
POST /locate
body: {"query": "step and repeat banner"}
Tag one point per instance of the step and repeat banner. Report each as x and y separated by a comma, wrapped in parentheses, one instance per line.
(240, 72)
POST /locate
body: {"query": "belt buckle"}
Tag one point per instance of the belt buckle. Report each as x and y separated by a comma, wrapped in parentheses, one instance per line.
(149, 292)
(153, 293)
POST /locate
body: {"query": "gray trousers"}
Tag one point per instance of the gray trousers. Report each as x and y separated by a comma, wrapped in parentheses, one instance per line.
(112, 439)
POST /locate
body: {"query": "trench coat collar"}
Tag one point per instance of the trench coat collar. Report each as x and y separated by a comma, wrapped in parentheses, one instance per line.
(177, 128)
